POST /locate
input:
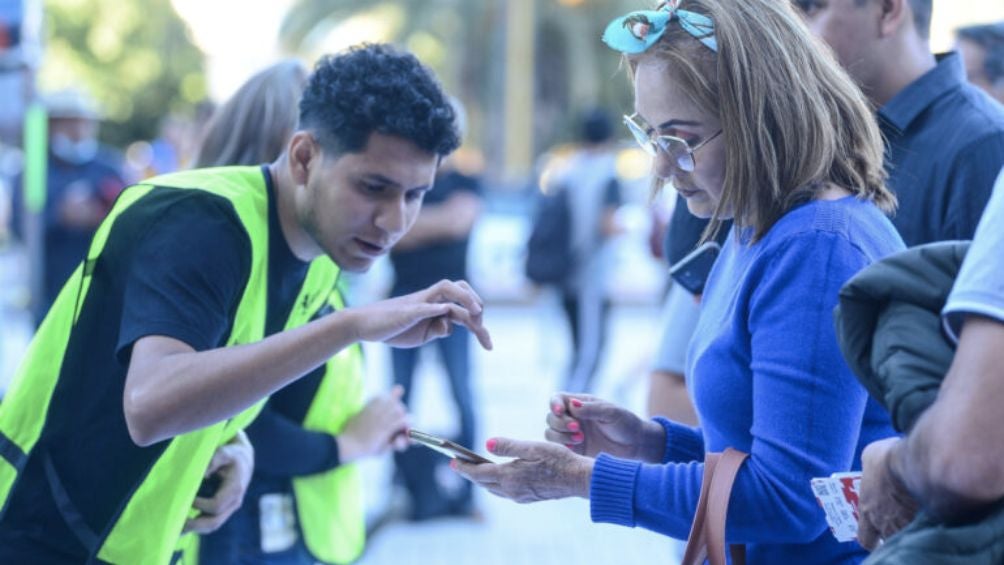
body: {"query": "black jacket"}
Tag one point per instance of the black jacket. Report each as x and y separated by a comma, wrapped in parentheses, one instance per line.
(890, 332)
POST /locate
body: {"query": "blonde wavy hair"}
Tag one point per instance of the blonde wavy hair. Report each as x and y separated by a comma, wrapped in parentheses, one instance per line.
(253, 126)
(793, 121)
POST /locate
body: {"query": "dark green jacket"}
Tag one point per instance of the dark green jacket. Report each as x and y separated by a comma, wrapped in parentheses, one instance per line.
(890, 332)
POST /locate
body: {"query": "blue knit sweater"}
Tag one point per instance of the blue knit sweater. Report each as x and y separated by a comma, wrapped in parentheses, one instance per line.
(766, 376)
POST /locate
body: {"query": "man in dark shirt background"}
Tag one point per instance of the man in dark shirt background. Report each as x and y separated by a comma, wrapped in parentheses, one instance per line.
(945, 138)
(436, 249)
(82, 180)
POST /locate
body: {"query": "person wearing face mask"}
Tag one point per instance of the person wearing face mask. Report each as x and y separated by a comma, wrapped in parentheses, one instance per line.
(83, 178)
(748, 118)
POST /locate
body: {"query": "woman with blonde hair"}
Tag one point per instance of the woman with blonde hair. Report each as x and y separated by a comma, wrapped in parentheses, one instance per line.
(748, 117)
(255, 123)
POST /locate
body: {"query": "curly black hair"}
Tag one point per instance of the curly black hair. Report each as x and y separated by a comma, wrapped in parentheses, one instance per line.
(377, 88)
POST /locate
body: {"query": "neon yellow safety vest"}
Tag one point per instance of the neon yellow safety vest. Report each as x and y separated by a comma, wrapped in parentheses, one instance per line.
(151, 520)
(330, 504)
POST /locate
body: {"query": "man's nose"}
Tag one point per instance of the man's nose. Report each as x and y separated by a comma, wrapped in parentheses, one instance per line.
(392, 216)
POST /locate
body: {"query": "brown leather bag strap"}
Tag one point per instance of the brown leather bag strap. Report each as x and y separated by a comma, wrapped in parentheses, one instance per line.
(697, 541)
(707, 533)
(718, 506)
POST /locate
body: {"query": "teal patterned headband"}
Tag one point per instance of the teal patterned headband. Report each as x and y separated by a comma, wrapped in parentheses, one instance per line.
(637, 31)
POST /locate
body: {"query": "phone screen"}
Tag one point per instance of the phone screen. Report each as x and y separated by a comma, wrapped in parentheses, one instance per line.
(692, 271)
(446, 447)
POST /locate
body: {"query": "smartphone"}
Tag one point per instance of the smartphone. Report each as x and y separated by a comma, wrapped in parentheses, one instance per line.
(446, 447)
(692, 271)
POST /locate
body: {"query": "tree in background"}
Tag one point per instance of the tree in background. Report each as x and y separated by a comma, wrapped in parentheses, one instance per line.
(464, 42)
(134, 56)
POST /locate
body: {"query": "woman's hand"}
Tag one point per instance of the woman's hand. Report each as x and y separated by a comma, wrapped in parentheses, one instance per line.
(588, 426)
(541, 471)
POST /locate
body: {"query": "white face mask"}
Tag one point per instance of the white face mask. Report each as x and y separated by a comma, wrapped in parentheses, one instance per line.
(75, 152)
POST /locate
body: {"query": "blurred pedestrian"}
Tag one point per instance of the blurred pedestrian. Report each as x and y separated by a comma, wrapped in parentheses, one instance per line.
(83, 178)
(748, 118)
(435, 249)
(982, 51)
(594, 195)
(667, 393)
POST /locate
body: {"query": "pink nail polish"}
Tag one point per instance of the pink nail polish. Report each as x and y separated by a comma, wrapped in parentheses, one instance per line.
(556, 409)
(573, 426)
(490, 444)
(578, 437)
(453, 464)
(576, 403)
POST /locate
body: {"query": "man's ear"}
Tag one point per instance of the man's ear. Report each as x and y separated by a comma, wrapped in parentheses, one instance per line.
(895, 14)
(304, 153)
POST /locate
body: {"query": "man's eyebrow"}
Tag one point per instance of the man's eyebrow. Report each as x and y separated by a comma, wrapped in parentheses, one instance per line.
(377, 178)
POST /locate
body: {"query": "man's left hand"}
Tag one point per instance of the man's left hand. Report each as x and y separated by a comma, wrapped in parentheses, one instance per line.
(884, 504)
(234, 463)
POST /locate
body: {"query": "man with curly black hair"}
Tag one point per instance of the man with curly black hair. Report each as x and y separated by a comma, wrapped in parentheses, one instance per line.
(192, 306)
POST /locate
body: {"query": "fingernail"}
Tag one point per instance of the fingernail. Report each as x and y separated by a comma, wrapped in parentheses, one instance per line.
(490, 444)
(569, 446)
(576, 403)
(578, 437)
(573, 426)
(453, 464)
(556, 408)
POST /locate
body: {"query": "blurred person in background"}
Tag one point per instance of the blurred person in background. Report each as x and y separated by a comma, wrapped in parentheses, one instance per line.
(435, 249)
(154, 355)
(667, 393)
(944, 137)
(982, 51)
(83, 178)
(594, 195)
(304, 502)
(749, 118)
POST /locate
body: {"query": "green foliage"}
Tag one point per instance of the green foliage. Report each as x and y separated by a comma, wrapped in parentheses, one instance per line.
(135, 57)
(464, 42)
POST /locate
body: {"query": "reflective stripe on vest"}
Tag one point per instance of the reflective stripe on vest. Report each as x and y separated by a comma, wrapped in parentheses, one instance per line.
(330, 505)
(151, 521)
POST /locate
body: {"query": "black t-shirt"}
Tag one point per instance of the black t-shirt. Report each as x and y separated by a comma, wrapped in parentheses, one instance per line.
(418, 268)
(685, 230)
(176, 265)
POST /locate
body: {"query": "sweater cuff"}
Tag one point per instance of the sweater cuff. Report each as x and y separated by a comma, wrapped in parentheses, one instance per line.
(611, 490)
(683, 443)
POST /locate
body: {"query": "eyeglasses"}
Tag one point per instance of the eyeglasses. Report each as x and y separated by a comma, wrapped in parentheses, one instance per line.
(678, 150)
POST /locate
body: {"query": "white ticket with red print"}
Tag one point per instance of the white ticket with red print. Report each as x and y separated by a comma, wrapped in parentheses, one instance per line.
(838, 496)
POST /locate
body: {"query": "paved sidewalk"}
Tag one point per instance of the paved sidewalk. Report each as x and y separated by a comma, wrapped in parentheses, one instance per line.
(513, 385)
